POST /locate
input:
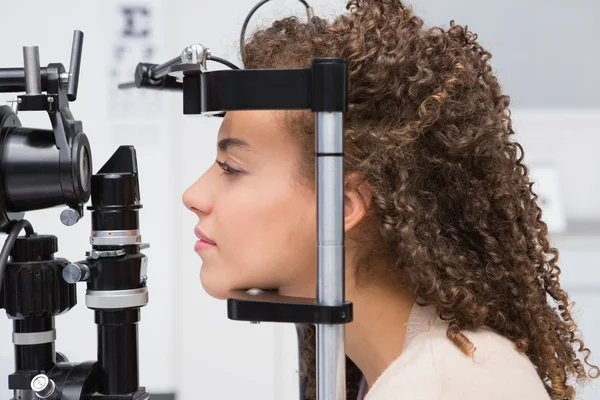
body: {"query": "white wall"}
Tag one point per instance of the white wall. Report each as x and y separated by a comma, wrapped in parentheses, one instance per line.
(566, 141)
(187, 344)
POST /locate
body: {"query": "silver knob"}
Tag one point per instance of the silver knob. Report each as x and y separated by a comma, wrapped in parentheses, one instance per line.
(44, 387)
(69, 217)
(196, 54)
(75, 272)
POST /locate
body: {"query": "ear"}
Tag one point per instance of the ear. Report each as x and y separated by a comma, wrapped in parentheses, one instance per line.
(357, 199)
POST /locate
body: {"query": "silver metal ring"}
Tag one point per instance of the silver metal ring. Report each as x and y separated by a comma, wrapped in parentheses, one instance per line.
(113, 299)
(116, 238)
(24, 339)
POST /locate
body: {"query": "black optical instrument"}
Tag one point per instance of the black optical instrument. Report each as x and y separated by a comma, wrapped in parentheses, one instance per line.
(45, 168)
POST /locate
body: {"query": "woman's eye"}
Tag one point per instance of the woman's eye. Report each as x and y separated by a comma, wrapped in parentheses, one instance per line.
(227, 169)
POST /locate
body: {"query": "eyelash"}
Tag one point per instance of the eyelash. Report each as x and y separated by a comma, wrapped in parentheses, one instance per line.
(227, 170)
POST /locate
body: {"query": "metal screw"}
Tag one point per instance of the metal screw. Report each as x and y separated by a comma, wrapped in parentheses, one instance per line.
(189, 53)
(50, 100)
(95, 254)
(254, 292)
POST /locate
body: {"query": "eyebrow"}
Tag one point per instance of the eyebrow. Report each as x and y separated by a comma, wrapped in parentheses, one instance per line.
(229, 143)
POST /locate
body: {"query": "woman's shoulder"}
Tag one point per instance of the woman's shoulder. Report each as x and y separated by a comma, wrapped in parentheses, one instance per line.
(433, 367)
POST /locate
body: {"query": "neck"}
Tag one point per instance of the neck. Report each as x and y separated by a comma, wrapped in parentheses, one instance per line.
(374, 339)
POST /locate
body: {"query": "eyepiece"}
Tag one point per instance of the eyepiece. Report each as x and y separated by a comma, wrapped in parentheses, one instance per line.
(32, 173)
(116, 194)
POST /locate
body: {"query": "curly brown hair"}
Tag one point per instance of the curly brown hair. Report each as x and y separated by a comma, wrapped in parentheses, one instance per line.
(452, 211)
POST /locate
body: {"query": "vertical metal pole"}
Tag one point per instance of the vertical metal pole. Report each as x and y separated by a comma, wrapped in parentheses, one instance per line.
(33, 79)
(331, 366)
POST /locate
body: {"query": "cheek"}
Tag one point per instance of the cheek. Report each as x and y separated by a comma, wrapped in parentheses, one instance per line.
(268, 231)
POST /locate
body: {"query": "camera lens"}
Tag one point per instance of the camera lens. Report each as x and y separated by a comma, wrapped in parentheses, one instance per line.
(85, 168)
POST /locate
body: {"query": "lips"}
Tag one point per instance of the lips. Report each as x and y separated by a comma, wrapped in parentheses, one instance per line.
(200, 235)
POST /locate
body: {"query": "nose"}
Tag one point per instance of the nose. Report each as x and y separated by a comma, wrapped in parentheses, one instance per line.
(197, 198)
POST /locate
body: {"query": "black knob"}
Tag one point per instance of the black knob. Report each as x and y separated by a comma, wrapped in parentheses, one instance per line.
(34, 248)
(33, 283)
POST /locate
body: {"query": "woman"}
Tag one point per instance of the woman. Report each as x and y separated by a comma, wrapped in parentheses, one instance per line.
(447, 258)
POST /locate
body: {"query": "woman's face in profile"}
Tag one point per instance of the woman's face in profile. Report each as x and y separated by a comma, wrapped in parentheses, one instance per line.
(251, 204)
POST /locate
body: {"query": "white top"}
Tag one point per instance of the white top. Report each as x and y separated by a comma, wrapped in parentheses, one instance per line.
(431, 367)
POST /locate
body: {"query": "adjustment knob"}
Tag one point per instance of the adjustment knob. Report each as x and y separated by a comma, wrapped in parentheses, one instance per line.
(34, 248)
(33, 284)
(44, 387)
(69, 217)
(75, 272)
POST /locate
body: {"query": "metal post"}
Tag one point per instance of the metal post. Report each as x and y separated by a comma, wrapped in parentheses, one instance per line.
(331, 366)
(33, 80)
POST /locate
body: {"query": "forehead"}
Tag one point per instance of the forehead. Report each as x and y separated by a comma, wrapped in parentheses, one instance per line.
(258, 128)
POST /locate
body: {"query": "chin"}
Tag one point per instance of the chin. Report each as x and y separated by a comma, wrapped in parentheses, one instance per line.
(213, 286)
(218, 285)
(216, 292)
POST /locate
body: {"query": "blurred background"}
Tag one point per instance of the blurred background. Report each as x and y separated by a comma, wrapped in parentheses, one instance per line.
(545, 53)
